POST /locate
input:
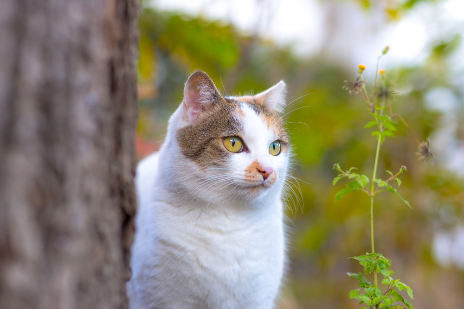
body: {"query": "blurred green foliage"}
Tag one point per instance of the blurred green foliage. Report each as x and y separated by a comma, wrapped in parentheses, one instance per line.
(326, 126)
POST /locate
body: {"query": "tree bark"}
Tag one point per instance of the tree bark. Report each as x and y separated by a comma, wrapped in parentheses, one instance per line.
(67, 126)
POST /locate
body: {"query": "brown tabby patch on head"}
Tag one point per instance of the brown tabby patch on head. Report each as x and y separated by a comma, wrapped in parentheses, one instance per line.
(202, 142)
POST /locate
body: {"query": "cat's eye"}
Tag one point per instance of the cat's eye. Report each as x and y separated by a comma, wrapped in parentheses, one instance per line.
(233, 143)
(274, 148)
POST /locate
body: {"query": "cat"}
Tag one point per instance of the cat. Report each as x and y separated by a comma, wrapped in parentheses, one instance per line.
(209, 228)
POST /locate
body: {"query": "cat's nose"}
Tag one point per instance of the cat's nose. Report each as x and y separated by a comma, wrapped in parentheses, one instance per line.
(266, 171)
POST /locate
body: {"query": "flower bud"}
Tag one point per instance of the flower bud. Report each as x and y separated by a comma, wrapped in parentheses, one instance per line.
(385, 50)
(361, 68)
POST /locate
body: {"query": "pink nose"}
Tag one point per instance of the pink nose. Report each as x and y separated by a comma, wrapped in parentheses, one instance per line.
(266, 171)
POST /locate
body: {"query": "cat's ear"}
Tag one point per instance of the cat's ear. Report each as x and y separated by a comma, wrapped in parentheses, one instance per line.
(200, 95)
(274, 97)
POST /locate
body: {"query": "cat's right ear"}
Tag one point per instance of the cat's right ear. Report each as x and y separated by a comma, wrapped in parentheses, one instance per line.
(200, 95)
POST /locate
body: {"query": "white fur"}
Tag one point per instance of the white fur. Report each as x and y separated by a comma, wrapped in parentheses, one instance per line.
(202, 240)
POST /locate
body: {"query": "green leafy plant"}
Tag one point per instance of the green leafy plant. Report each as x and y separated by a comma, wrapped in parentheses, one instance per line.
(374, 263)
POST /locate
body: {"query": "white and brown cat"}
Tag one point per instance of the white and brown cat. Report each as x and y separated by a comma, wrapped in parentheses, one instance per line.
(209, 228)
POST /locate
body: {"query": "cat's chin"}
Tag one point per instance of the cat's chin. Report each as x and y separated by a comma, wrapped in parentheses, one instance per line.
(255, 189)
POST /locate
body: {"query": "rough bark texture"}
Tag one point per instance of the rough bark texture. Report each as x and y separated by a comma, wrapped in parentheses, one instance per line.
(67, 124)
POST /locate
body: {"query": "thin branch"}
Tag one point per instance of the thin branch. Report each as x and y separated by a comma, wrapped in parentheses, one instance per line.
(375, 83)
(402, 120)
(389, 289)
(393, 177)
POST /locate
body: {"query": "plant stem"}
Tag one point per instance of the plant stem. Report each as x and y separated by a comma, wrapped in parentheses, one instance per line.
(372, 226)
(372, 197)
(379, 139)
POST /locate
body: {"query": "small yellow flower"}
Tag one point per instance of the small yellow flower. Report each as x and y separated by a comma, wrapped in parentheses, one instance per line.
(383, 72)
(361, 68)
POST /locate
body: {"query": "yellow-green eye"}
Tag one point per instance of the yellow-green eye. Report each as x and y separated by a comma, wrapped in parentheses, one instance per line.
(233, 143)
(274, 148)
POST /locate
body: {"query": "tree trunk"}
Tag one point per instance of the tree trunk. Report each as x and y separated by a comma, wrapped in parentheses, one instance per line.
(67, 125)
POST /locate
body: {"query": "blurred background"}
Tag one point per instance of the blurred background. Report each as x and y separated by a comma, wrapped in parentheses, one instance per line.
(249, 45)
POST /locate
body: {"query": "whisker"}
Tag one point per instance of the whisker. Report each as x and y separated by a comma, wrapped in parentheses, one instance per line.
(297, 99)
(297, 109)
(299, 123)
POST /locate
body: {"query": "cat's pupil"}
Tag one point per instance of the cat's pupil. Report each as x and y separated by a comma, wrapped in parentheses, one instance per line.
(273, 146)
(233, 143)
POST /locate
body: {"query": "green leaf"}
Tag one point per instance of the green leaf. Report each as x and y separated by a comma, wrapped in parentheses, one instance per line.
(354, 185)
(400, 285)
(386, 281)
(336, 179)
(375, 133)
(391, 189)
(364, 180)
(365, 299)
(359, 276)
(409, 290)
(386, 272)
(354, 293)
(381, 183)
(383, 118)
(371, 124)
(408, 303)
(379, 299)
(387, 302)
(397, 296)
(342, 192)
(398, 181)
(387, 133)
(389, 172)
(389, 126)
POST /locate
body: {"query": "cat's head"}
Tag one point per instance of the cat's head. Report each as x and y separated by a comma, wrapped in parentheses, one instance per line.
(234, 146)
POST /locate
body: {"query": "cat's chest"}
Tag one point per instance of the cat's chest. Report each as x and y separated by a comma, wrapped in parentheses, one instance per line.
(231, 245)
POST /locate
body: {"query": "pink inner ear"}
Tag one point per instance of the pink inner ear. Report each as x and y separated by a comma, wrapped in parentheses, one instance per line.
(200, 94)
(193, 103)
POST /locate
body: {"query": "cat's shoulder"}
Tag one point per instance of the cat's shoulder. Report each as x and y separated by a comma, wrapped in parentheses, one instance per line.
(148, 165)
(145, 176)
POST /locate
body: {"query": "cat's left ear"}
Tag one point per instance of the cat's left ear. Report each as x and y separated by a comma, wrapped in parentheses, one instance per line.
(274, 97)
(200, 96)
